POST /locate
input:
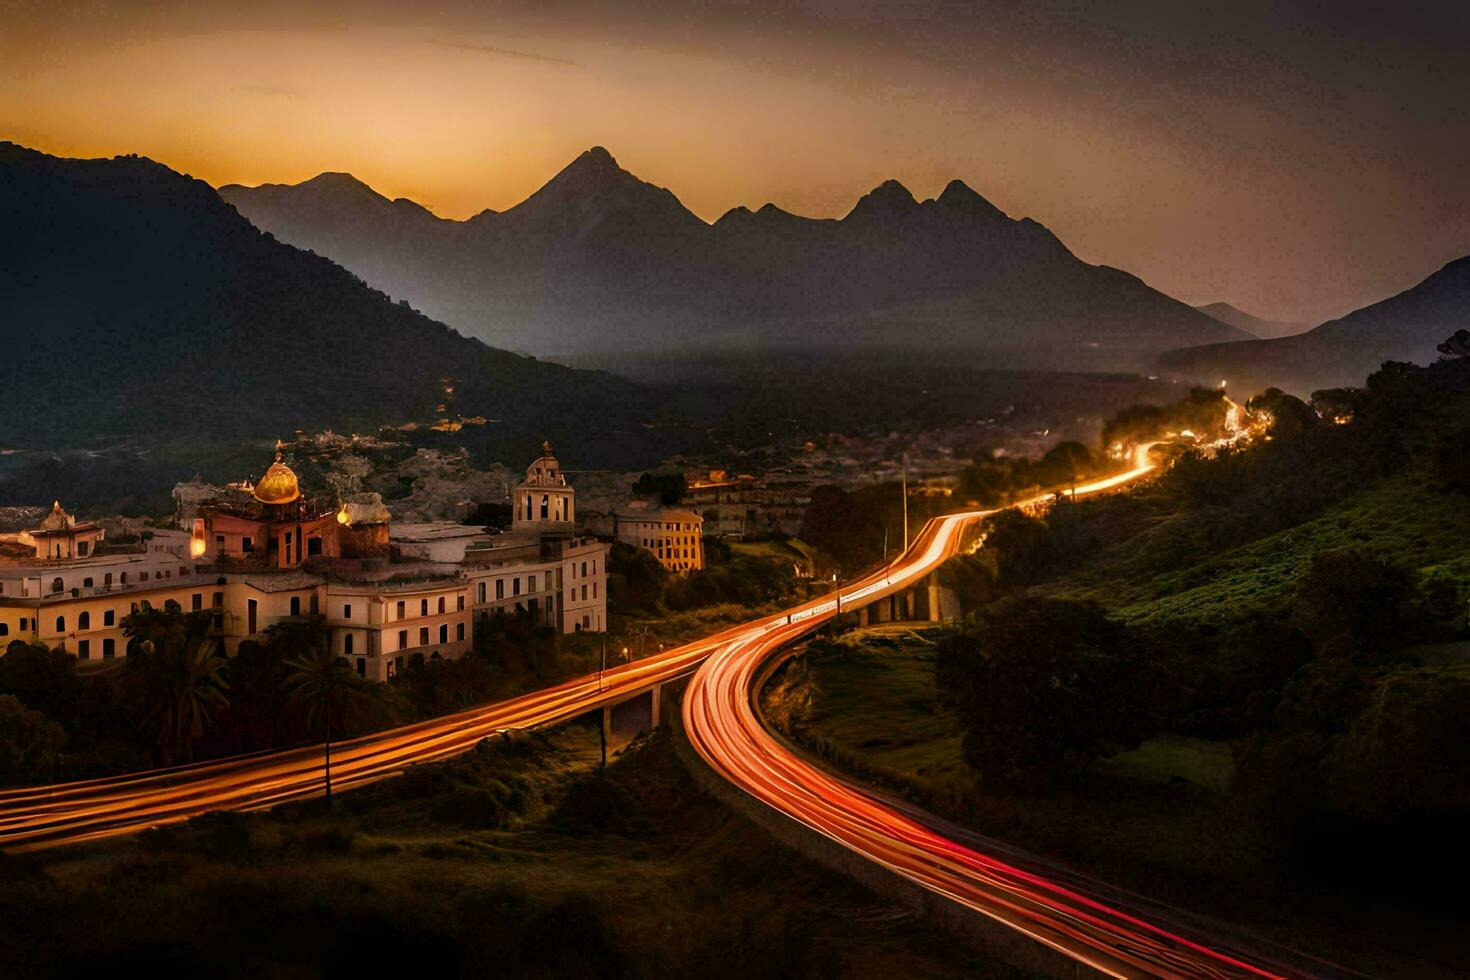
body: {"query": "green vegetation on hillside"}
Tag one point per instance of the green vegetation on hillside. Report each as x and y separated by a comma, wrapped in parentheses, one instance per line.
(1281, 627)
(1159, 819)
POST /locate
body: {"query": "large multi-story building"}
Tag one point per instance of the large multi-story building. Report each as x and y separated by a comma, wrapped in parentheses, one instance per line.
(744, 506)
(672, 534)
(282, 557)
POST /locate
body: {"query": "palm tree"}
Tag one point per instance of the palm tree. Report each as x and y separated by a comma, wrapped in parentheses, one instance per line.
(324, 686)
(179, 679)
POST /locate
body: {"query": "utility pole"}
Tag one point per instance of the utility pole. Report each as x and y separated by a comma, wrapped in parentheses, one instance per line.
(904, 482)
(327, 771)
(602, 712)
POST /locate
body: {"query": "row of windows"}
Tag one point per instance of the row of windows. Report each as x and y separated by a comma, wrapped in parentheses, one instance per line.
(584, 569)
(423, 636)
(57, 585)
(481, 589)
(109, 616)
(400, 609)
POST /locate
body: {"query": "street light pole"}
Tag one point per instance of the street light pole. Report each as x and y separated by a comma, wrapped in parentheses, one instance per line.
(327, 769)
(904, 482)
(602, 711)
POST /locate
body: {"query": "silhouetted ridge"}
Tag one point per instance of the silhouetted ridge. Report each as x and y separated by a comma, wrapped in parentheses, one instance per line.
(888, 199)
(600, 260)
(151, 307)
(958, 196)
(1405, 327)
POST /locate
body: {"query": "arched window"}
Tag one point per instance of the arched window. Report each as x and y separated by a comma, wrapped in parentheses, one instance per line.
(107, 580)
(56, 585)
(84, 621)
(61, 624)
(441, 603)
(87, 582)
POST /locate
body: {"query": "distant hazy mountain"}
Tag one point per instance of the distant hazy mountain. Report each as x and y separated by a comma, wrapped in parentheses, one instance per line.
(1406, 327)
(1253, 325)
(599, 261)
(137, 303)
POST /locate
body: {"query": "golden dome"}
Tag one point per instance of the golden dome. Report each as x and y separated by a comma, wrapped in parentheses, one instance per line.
(278, 486)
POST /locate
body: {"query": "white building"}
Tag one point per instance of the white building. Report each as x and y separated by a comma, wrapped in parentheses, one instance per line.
(541, 567)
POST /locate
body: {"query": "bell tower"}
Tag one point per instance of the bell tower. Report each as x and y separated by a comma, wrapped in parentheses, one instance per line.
(544, 502)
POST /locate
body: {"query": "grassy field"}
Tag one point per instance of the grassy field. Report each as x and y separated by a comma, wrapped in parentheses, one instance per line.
(1156, 820)
(1158, 575)
(777, 549)
(515, 860)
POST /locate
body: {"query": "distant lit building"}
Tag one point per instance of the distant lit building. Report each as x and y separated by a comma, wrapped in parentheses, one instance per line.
(674, 536)
(61, 537)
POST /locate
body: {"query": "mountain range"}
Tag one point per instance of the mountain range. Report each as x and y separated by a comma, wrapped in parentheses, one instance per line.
(1255, 326)
(142, 306)
(1404, 327)
(598, 260)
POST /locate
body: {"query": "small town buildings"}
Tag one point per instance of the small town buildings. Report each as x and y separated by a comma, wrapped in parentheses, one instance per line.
(279, 556)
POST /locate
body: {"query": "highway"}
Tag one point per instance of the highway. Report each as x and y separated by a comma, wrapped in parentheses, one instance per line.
(724, 728)
(32, 818)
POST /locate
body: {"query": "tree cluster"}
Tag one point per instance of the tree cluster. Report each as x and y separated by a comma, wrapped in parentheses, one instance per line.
(177, 697)
(639, 584)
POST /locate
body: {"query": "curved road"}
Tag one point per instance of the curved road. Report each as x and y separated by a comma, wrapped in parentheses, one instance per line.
(724, 729)
(724, 726)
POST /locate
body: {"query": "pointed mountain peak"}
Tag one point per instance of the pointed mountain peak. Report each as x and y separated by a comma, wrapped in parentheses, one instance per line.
(335, 179)
(892, 190)
(594, 162)
(593, 186)
(738, 213)
(592, 172)
(960, 196)
(888, 199)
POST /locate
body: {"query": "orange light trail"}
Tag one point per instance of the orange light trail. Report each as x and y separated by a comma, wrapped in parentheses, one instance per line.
(726, 731)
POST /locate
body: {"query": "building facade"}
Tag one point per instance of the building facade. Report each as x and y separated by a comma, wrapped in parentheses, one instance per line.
(672, 534)
(541, 567)
(282, 557)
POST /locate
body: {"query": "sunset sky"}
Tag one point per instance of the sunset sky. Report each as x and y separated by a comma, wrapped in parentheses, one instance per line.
(1295, 159)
